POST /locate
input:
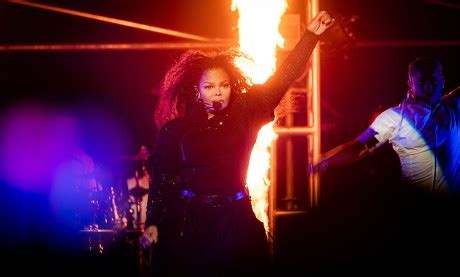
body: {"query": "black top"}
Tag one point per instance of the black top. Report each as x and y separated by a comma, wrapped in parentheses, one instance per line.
(211, 156)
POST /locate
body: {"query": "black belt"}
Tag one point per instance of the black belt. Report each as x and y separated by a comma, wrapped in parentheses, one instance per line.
(215, 200)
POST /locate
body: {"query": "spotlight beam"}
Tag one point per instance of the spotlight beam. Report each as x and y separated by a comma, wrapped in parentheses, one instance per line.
(113, 21)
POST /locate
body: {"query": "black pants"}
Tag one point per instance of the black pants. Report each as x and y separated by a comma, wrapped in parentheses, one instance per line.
(195, 237)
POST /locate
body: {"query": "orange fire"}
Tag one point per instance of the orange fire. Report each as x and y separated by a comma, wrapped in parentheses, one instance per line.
(257, 180)
(259, 38)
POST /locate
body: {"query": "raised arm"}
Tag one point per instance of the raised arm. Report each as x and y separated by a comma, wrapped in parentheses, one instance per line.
(293, 66)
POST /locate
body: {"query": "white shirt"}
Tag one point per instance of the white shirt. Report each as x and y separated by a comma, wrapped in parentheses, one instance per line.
(427, 141)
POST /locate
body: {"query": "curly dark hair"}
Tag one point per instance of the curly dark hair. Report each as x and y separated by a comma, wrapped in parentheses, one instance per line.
(178, 88)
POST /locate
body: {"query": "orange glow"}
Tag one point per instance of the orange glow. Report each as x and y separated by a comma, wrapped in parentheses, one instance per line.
(314, 86)
(257, 180)
(258, 34)
(259, 38)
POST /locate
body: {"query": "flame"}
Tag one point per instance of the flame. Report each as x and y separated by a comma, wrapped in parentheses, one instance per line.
(259, 38)
(257, 180)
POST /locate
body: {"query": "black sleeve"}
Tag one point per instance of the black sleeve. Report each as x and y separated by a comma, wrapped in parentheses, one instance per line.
(263, 99)
(164, 172)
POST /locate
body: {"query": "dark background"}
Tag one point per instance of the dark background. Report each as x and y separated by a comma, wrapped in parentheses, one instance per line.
(357, 225)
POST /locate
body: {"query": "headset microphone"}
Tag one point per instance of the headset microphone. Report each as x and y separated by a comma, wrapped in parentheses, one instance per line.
(216, 106)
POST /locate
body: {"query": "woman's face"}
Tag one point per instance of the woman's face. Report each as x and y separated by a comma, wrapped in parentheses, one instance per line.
(215, 89)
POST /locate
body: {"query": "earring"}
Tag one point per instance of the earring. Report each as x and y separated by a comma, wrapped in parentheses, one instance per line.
(197, 95)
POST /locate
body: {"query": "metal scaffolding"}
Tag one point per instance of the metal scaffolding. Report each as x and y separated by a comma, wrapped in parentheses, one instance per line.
(310, 88)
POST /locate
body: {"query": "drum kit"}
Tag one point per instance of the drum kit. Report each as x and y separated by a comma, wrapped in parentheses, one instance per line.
(116, 209)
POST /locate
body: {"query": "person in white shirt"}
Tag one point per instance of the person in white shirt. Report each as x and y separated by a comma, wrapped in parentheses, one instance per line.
(423, 130)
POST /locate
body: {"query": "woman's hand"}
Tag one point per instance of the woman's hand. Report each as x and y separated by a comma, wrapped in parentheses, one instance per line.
(150, 236)
(320, 23)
